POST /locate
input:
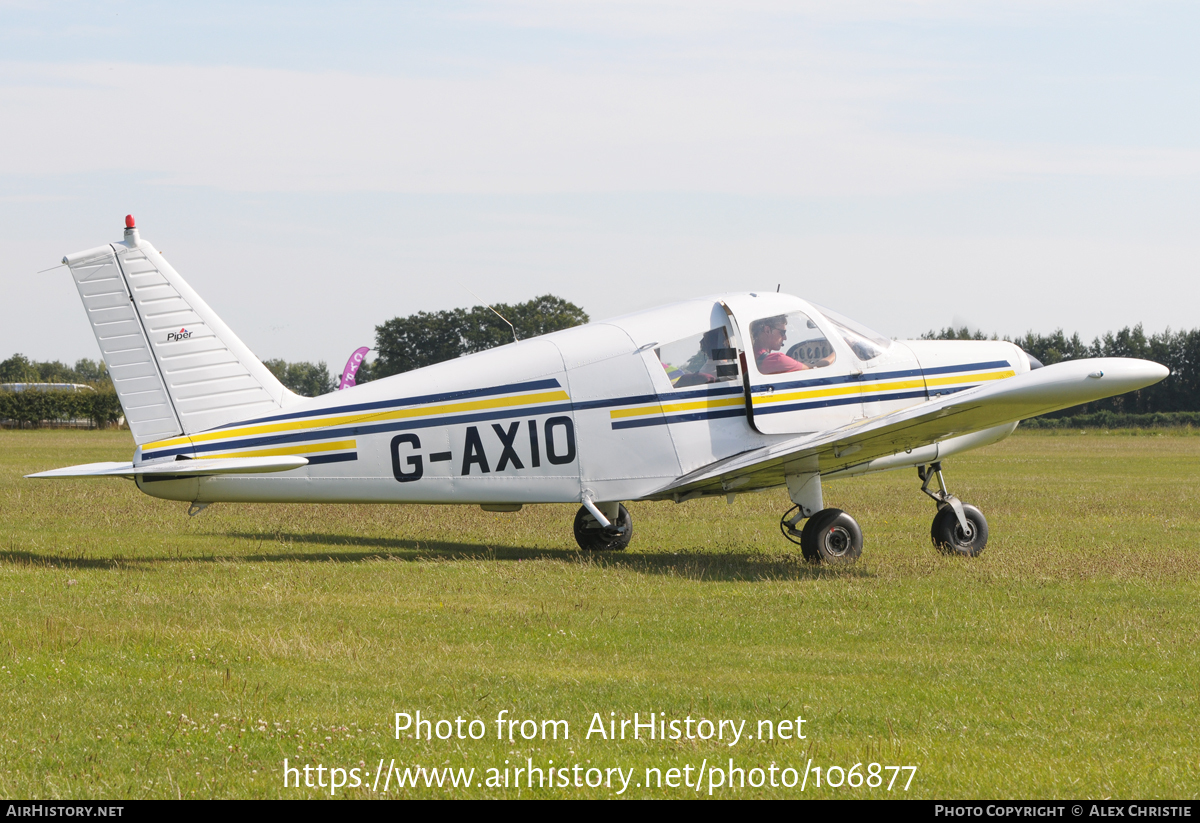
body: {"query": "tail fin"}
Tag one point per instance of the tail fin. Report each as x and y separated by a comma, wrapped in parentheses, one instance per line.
(176, 367)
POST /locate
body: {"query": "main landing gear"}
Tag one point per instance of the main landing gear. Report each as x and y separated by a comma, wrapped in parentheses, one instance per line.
(603, 527)
(829, 536)
(958, 528)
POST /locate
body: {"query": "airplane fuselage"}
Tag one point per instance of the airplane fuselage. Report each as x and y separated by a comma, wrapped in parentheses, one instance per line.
(608, 408)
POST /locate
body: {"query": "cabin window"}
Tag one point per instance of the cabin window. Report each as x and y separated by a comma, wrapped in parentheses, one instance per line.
(789, 342)
(699, 359)
(865, 343)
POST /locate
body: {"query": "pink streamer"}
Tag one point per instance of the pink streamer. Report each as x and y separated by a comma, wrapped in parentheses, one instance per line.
(351, 369)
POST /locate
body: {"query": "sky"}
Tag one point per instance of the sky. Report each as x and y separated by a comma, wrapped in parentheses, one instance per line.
(314, 170)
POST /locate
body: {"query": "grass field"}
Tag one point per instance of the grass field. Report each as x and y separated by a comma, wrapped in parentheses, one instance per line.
(146, 654)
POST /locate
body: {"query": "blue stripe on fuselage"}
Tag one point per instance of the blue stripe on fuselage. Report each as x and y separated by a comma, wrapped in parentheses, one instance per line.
(397, 403)
(358, 430)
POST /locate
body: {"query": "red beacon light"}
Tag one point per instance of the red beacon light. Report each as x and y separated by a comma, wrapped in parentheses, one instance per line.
(129, 221)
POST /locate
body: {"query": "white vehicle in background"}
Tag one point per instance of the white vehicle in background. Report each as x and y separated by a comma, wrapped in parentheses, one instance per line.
(72, 387)
(715, 396)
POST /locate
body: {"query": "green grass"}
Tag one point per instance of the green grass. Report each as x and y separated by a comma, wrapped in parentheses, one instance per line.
(146, 654)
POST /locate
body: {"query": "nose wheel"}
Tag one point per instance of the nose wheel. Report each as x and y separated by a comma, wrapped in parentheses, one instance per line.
(958, 528)
(951, 538)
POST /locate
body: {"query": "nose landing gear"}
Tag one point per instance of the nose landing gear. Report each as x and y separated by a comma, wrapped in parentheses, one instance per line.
(958, 528)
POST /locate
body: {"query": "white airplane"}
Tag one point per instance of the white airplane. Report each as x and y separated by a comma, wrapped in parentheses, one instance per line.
(716, 396)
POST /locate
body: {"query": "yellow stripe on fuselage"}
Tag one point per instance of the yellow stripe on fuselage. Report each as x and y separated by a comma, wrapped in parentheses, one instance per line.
(811, 394)
(347, 419)
(866, 389)
(973, 378)
(667, 408)
(307, 449)
(869, 389)
(834, 391)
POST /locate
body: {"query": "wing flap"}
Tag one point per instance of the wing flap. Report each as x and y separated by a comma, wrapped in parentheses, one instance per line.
(985, 407)
(180, 468)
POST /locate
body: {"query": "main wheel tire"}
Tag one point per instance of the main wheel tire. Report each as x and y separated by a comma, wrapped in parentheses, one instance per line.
(806, 538)
(948, 535)
(831, 536)
(591, 537)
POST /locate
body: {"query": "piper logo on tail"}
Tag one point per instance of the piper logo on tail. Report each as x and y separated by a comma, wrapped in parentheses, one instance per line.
(182, 334)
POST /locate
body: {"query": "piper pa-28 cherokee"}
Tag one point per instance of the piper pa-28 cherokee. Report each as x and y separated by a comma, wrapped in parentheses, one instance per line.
(715, 396)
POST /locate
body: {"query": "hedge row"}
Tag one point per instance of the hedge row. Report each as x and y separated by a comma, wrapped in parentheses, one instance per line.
(1116, 420)
(32, 408)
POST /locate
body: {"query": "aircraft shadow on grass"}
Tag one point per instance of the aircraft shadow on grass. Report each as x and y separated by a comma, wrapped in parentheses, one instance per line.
(700, 567)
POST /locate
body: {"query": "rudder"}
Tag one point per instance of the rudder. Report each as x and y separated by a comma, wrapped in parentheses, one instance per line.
(177, 368)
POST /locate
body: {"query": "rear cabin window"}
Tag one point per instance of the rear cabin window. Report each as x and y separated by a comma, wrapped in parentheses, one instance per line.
(699, 359)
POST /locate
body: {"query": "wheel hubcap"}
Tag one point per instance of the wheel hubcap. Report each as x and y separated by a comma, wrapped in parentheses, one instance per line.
(838, 541)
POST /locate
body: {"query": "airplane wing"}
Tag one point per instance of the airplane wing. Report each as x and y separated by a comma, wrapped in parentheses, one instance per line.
(984, 407)
(180, 468)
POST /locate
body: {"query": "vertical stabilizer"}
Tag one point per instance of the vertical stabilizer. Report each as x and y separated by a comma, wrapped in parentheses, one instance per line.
(176, 367)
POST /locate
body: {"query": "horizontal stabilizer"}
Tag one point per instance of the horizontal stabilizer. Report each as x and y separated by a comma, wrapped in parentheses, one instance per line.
(181, 468)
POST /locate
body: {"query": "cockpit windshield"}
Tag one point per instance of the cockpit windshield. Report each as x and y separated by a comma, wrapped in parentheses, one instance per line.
(865, 343)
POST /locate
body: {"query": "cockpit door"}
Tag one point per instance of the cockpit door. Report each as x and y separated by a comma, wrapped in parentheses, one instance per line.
(799, 375)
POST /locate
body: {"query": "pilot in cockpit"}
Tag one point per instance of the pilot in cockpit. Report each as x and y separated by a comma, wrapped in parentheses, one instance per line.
(769, 336)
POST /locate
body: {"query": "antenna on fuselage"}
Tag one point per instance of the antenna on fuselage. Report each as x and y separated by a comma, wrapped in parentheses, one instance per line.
(493, 311)
(778, 286)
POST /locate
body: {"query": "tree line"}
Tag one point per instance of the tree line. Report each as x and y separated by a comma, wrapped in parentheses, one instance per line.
(20, 369)
(425, 338)
(1179, 351)
(401, 344)
(422, 339)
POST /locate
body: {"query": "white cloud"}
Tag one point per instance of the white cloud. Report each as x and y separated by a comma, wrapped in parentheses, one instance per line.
(679, 18)
(516, 130)
(1042, 131)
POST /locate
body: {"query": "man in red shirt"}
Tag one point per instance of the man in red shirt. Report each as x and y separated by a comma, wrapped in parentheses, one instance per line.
(768, 336)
